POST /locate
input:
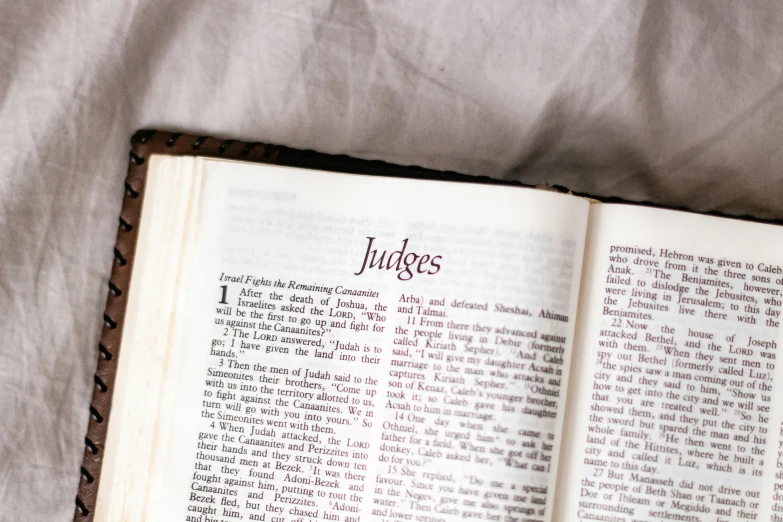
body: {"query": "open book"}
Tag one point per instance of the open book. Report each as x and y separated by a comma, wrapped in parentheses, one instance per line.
(301, 345)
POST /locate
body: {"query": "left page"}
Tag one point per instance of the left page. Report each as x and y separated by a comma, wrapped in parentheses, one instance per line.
(352, 347)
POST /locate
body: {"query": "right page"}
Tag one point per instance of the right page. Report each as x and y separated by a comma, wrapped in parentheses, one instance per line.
(674, 408)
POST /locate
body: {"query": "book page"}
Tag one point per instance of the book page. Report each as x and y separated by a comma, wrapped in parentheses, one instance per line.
(673, 411)
(357, 348)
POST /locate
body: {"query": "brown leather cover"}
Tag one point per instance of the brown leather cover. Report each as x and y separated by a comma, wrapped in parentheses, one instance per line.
(144, 144)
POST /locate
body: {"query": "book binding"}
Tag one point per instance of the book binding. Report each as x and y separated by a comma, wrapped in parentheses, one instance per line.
(143, 144)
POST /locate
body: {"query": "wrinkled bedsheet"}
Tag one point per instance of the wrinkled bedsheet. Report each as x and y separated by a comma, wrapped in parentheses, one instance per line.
(679, 103)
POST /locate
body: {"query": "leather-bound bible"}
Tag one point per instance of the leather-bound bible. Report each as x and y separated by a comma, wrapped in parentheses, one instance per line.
(291, 336)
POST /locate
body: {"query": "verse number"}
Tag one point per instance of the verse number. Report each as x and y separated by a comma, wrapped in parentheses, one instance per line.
(223, 297)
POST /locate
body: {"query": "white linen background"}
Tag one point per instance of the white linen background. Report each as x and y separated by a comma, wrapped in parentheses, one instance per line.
(674, 102)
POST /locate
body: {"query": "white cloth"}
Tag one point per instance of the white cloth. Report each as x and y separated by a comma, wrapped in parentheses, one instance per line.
(674, 102)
